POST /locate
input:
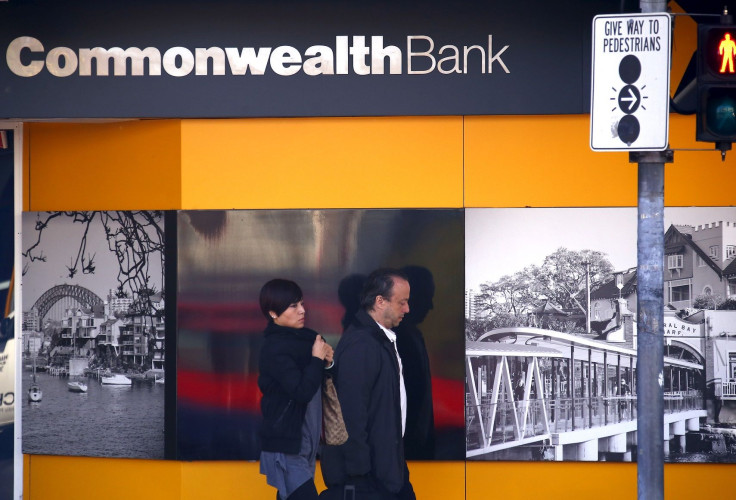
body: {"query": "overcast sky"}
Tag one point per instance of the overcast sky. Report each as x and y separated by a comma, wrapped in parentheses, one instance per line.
(60, 245)
(502, 241)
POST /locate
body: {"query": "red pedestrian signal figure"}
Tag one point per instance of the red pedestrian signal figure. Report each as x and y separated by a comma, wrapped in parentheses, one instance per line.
(727, 49)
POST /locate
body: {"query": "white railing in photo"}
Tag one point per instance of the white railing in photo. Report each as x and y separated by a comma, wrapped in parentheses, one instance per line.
(725, 390)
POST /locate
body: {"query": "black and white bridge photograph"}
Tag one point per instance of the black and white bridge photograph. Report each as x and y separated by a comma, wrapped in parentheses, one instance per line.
(551, 334)
(93, 334)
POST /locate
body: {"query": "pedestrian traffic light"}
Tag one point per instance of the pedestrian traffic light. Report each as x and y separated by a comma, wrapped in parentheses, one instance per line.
(716, 84)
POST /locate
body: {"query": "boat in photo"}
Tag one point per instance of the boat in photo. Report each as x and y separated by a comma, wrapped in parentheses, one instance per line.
(34, 392)
(76, 386)
(116, 379)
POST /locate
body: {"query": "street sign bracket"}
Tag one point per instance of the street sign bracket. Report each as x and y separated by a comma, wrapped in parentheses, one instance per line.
(666, 156)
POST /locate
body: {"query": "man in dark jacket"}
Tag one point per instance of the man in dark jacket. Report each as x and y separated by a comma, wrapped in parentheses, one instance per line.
(368, 377)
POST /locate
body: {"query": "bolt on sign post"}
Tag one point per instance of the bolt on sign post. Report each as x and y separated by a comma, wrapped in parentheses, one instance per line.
(630, 94)
(716, 84)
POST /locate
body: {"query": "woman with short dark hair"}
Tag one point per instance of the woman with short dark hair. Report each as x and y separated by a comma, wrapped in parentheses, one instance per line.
(291, 368)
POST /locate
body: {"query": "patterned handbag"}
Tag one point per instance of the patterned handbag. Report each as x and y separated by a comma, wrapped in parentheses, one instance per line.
(333, 426)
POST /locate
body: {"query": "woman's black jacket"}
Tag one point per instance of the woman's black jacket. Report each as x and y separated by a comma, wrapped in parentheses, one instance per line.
(289, 376)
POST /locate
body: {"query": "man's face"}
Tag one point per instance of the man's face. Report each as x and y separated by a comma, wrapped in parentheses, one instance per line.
(393, 308)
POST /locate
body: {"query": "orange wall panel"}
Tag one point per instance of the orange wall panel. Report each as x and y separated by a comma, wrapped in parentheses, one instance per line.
(521, 480)
(26, 188)
(26, 476)
(697, 178)
(605, 481)
(224, 481)
(688, 481)
(104, 166)
(49, 477)
(79, 478)
(322, 163)
(542, 161)
(556, 168)
(438, 480)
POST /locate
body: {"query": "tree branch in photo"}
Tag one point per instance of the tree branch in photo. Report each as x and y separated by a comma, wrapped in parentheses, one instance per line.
(135, 237)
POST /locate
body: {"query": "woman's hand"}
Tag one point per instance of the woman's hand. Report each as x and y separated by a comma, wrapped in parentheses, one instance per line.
(328, 356)
(320, 348)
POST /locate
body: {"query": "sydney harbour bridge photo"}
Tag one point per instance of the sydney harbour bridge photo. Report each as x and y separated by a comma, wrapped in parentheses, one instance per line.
(93, 333)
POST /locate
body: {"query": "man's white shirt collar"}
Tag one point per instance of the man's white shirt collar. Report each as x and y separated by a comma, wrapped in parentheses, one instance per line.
(389, 333)
(402, 388)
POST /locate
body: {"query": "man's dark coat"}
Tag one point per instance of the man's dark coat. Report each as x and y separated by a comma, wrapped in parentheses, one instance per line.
(367, 381)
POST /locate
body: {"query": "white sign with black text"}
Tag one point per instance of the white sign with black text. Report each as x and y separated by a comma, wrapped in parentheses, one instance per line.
(630, 84)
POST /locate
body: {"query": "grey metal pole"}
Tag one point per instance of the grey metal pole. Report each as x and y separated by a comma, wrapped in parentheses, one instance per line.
(650, 312)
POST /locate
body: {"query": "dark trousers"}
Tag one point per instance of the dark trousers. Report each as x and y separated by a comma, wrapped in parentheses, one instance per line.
(367, 488)
(307, 491)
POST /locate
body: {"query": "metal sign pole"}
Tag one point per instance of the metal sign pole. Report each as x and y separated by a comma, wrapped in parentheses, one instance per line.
(650, 310)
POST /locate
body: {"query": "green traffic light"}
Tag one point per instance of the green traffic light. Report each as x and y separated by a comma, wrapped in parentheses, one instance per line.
(720, 115)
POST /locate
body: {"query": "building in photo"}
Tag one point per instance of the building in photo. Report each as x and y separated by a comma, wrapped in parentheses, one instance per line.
(697, 263)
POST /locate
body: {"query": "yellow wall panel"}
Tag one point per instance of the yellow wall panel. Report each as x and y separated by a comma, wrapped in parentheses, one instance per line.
(542, 161)
(26, 188)
(80, 478)
(224, 481)
(686, 481)
(557, 168)
(438, 480)
(26, 476)
(697, 178)
(104, 166)
(322, 163)
(49, 477)
(522, 480)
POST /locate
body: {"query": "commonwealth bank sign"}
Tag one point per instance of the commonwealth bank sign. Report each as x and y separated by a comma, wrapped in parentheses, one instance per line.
(137, 59)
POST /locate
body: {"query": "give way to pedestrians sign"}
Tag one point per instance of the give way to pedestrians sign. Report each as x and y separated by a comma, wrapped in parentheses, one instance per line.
(630, 83)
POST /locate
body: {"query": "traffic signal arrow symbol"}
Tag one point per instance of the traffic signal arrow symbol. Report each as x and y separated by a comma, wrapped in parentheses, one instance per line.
(629, 103)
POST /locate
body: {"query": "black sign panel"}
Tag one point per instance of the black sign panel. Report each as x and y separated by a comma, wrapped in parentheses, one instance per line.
(181, 59)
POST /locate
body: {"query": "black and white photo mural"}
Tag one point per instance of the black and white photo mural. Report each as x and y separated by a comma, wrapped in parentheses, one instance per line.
(551, 334)
(93, 295)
